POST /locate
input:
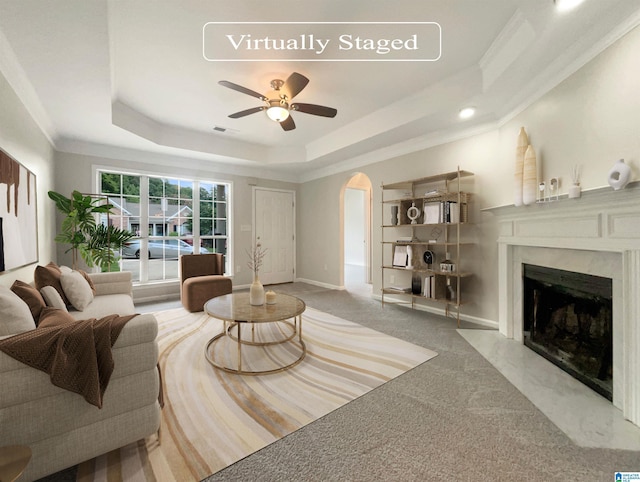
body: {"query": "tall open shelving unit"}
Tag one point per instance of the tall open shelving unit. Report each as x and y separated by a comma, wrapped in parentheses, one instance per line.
(434, 226)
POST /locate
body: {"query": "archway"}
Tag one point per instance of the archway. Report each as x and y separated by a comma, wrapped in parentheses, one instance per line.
(356, 197)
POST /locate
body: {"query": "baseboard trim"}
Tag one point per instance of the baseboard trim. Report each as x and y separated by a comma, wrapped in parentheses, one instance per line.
(319, 283)
(440, 311)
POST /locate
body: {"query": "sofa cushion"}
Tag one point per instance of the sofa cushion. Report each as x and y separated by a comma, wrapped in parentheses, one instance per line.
(117, 304)
(30, 296)
(15, 315)
(54, 317)
(77, 289)
(53, 298)
(49, 275)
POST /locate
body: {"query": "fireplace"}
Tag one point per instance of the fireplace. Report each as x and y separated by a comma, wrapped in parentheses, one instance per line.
(568, 319)
(599, 235)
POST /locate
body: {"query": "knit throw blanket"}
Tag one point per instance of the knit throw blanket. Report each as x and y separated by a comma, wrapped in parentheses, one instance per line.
(77, 356)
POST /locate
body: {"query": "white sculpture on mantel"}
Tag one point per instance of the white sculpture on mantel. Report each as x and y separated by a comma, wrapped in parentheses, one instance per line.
(619, 175)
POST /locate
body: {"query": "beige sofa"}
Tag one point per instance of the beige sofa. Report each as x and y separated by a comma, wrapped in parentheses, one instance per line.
(59, 426)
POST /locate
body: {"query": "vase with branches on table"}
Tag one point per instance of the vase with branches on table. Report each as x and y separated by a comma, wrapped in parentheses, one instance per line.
(256, 257)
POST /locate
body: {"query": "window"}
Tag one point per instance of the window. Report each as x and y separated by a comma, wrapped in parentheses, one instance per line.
(181, 216)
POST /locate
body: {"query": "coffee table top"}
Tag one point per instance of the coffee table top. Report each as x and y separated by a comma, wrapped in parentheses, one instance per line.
(236, 307)
(13, 461)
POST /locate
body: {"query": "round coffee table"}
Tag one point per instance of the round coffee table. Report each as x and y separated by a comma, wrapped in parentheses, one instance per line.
(13, 461)
(235, 310)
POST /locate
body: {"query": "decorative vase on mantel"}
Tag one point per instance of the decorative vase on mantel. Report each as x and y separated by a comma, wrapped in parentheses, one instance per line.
(529, 177)
(256, 292)
(521, 149)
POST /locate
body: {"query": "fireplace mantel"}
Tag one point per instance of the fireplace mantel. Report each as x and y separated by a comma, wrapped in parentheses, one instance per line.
(598, 233)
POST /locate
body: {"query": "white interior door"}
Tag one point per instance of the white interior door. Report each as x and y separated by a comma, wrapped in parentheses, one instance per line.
(274, 225)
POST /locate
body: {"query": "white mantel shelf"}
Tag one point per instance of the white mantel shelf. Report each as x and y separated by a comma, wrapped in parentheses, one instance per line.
(599, 234)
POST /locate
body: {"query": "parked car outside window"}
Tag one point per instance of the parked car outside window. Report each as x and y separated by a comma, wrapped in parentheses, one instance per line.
(159, 248)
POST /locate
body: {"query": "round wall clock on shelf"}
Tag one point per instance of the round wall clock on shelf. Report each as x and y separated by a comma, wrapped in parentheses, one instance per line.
(427, 257)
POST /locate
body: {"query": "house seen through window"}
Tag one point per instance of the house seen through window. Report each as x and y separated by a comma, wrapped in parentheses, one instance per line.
(170, 217)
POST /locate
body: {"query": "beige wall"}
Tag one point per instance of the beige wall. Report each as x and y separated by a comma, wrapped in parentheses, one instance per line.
(591, 120)
(21, 138)
(74, 171)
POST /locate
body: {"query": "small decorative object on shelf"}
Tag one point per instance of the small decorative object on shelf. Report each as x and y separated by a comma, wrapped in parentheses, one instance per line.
(574, 189)
(542, 192)
(447, 265)
(451, 291)
(427, 257)
(416, 284)
(554, 184)
(619, 175)
(395, 210)
(548, 191)
(413, 212)
(435, 234)
(256, 290)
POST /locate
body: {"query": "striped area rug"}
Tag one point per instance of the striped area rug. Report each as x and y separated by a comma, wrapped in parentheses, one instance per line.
(212, 419)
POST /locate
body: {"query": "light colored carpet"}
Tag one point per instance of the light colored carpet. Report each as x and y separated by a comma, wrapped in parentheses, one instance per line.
(212, 419)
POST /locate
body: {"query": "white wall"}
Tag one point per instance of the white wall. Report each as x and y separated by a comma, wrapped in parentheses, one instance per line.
(354, 226)
(22, 139)
(591, 119)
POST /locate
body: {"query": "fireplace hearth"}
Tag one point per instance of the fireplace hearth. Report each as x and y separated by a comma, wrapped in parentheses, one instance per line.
(568, 319)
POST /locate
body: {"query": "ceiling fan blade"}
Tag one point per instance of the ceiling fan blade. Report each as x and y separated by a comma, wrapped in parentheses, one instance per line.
(288, 124)
(243, 113)
(244, 90)
(294, 85)
(315, 109)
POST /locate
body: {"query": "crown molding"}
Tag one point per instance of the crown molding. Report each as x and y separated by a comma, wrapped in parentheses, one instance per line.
(19, 82)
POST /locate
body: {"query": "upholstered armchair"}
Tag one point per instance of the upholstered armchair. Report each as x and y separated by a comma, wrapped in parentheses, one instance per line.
(202, 278)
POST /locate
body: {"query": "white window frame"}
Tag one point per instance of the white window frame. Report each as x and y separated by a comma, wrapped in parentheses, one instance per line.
(144, 213)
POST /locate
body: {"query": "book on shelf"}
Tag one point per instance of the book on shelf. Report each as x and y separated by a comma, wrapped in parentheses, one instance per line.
(404, 239)
(432, 212)
(400, 289)
(441, 212)
(434, 287)
(400, 256)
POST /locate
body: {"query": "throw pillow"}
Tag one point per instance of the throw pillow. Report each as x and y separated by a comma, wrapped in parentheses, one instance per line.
(15, 315)
(49, 276)
(53, 298)
(64, 269)
(77, 289)
(54, 266)
(89, 280)
(54, 317)
(30, 296)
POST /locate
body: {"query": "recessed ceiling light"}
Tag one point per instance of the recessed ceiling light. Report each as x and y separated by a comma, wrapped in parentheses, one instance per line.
(566, 5)
(467, 112)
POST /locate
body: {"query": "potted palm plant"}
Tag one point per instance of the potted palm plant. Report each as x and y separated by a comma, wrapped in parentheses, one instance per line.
(95, 243)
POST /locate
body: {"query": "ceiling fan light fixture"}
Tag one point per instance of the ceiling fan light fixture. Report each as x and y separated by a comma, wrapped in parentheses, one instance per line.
(277, 111)
(467, 112)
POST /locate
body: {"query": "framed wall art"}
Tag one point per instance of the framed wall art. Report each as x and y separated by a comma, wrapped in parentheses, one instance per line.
(18, 215)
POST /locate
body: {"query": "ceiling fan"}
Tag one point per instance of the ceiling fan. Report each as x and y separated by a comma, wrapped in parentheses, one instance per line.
(278, 102)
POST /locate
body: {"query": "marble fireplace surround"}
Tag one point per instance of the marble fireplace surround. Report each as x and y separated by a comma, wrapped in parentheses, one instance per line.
(596, 234)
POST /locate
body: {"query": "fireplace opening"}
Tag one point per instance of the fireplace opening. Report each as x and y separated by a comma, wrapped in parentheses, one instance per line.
(568, 319)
